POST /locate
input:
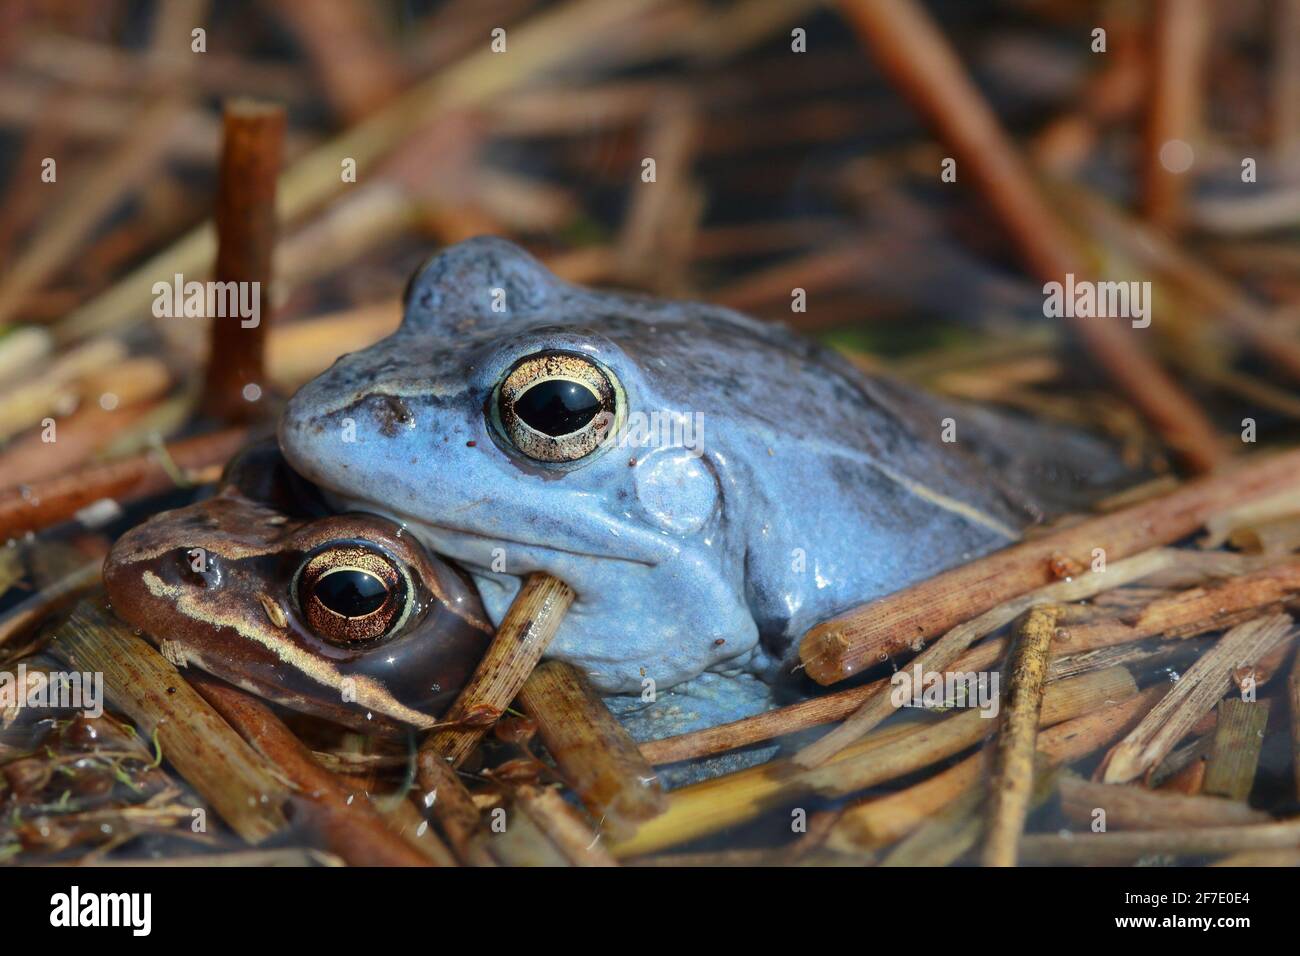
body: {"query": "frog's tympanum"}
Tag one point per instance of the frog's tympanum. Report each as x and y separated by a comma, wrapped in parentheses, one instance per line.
(710, 485)
(345, 616)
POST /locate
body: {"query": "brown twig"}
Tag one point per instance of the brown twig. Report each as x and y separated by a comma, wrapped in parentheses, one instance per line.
(520, 641)
(246, 228)
(911, 51)
(32, 507)
(592, 751)
(946, 651)
(838, 648)
(1181, 30)
(1012, 783)
(238, 782)
(348, 825)
(1192, 697)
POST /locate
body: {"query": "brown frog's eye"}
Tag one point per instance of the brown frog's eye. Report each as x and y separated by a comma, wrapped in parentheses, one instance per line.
(352, 593)
(556, 406)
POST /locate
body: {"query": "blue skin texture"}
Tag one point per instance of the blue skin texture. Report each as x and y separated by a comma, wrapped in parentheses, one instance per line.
(817, 486)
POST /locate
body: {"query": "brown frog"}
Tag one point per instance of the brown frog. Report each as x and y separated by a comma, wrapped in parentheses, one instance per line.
(344, 616)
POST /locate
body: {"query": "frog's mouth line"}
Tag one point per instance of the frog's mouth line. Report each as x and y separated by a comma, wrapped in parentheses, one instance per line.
(498, 539)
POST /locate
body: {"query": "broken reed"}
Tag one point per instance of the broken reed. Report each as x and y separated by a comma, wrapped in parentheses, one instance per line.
(886, 754)
(844, 645)
(915, 56)
(525, 633)
(52, 500)
(246, 230)
(345, 821)
(1012, 782)
(592, 751)
(232, 777)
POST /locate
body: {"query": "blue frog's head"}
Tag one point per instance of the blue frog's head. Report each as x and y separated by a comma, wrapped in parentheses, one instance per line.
(517, 423)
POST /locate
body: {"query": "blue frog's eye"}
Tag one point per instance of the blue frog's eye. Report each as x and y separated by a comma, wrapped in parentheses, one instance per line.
(555, 406)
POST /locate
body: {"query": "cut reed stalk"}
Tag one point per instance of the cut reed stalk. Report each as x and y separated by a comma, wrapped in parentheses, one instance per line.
(522, 638)
(945, 651)
(1012, 783)
(1234, 755)
(240, 784)
(592, 751)
(345, 821)
(1192, 697)
(246, 230)
(842, 646)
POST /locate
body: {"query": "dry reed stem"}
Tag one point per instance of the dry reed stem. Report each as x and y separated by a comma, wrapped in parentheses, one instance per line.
(231, 776)
(564, 826)
(1012, 783)
(792, 718)
(132, 161)
(546, 40)
(840, 647)
(712, 805)
(1293, 697)
(1090, 849)
(47, 502)
(346, 822)
(454, 808)
(1129, 807)
(909, 49)
(1234, 755)
(1181, 38)
(246, 230)
(1192, 697)
(885, 819)
(945, 651)
(522, 638)
(592, 751)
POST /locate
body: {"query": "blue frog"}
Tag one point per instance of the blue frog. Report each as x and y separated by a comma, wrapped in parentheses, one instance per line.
(709, 485)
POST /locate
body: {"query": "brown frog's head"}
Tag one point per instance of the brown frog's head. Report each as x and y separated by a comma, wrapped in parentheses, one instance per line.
(343, 616)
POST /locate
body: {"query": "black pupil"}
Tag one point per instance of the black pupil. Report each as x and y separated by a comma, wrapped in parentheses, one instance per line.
(351, 593)
(557, 406)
